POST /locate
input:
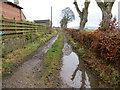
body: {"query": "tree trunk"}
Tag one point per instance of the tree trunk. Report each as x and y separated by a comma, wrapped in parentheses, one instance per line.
(83, 14)
(82, 23)
(84, 19)
(106, 8)
(106, 17)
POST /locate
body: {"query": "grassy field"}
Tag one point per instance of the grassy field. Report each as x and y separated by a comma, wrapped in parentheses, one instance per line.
(88, 30)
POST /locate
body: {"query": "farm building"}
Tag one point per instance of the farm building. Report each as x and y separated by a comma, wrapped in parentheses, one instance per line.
(43, 22)
(11, 10)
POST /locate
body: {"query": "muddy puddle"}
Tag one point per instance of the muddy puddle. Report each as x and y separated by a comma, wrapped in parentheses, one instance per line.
(73, 72)
(45, 49)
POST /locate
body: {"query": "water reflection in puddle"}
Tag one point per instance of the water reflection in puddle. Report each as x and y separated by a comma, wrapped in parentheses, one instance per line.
(70, 73)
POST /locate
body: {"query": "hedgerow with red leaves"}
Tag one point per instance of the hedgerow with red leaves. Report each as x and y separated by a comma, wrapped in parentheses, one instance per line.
(106, 44)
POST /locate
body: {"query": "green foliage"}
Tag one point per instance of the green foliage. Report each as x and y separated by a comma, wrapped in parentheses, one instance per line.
(28, 36)
(81, 51)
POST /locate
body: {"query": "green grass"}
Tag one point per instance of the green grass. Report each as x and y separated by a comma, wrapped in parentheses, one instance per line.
(15, 57)
(18, 35)
(52, 63)
(88, 30)
(0, 68)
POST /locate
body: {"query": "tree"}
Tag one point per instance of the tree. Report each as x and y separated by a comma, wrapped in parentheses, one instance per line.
(67, 16)
(106, 7)
(83, 14)
(63, 22)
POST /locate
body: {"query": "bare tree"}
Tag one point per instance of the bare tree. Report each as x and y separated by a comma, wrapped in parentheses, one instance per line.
(83, 14)
(106, 7)
(67, 16)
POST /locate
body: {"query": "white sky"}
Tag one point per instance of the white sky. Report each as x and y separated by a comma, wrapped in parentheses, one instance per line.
(41, 9)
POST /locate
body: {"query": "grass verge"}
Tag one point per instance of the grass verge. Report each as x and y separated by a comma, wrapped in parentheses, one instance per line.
(50, 76)
(15, 58)
(107, 73)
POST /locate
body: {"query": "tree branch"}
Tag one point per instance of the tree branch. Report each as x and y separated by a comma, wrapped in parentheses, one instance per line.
(77, 8)
(100, 3)
(86, 4)
(105, 3)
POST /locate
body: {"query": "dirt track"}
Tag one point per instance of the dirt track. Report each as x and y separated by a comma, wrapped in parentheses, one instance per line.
(27, 75)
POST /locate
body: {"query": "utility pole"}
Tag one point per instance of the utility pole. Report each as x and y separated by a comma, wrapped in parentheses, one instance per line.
(119, 14)
(51, 16)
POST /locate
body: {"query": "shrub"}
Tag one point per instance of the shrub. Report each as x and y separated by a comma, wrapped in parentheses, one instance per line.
(106, 44)
(28, 37)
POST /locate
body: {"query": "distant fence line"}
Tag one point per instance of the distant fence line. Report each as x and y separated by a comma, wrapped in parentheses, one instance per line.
(10, 27)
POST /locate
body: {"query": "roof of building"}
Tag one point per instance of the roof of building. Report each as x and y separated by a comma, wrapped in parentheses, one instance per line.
(6, 1)
(42, 21)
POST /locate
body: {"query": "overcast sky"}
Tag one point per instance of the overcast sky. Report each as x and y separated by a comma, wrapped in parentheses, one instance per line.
(41, 9)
